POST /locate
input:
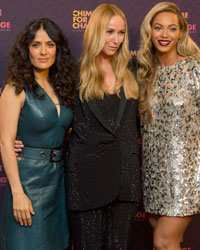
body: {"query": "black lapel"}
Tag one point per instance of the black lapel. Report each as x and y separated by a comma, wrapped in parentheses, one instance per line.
(122, 105)
(93, 106)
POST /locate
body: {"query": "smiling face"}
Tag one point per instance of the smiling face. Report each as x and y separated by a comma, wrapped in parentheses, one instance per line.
(166, 33)
(42, 51)
(115, 34)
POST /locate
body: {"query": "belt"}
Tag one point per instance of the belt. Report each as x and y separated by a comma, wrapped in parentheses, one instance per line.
(52, 154)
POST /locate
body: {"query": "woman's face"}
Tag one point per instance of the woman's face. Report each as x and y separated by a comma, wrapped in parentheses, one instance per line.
(115, 34)
(42, 51)
(166, 32)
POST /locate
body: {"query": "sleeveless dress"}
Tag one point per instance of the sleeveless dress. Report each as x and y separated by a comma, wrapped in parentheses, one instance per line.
(171, 142)
(40, 128)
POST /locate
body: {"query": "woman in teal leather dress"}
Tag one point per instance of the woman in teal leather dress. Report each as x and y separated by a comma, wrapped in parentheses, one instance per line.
(36, 106)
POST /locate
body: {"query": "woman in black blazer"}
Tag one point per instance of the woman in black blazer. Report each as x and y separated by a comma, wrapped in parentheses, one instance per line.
(103, 171)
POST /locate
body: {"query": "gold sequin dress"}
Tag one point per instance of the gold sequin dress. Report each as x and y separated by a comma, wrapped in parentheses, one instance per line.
(171, 142)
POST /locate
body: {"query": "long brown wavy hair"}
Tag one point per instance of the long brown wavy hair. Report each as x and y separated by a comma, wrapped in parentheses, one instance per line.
(146, 55)
(62, 74)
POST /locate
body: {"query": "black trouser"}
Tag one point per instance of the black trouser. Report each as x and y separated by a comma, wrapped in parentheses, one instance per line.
(104, 228)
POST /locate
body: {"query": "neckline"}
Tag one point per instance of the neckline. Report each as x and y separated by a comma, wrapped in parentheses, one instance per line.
(113, 94)
(58, 114)
(181, 62)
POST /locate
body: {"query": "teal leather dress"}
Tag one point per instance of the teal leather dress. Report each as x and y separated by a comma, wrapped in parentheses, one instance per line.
(41, 170)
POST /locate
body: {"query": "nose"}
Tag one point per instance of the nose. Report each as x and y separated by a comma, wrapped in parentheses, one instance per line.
(43, 50)
(115, 38)
(164, 33)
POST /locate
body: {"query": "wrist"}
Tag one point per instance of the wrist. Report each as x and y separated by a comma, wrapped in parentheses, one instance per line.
(17, 191)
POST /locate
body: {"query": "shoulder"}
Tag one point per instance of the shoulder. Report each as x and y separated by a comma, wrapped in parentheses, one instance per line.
(9, 95)
(193, 68)
(193, 62)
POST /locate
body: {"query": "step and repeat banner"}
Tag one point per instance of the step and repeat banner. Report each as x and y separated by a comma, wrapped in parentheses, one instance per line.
(72, 16)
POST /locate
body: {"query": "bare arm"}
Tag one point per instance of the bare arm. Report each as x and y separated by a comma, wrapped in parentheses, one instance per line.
(10, 106)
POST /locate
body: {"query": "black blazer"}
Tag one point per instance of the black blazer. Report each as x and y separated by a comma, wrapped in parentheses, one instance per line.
(103, 163)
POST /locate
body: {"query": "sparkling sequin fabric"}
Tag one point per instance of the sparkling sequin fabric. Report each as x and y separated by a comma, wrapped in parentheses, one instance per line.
(109, 107)
(171, 142)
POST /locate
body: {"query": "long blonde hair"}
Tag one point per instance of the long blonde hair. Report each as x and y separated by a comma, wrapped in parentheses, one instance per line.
(147, 58)
(91, 75)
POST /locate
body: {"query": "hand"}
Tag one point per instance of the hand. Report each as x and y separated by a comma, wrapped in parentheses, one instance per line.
(22, 209)
(18, 146)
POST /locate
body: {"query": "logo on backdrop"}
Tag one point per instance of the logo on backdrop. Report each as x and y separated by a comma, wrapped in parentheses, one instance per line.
(192, 27)
(140, 216)
(3, 179)
(4, 24)
(133, 53)
(182, 243)
(80, 19)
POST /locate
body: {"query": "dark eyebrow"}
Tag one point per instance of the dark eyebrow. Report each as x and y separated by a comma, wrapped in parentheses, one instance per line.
(169, 25)
(50, 41)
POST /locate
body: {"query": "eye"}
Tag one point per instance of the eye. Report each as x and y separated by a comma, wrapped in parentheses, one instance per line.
(35, 45)
(109, 31)
(173, 29)
(122, 32)
(157, 28)
(51, 44)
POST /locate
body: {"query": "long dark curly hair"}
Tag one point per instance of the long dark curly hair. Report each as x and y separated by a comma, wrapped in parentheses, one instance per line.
(62, 74)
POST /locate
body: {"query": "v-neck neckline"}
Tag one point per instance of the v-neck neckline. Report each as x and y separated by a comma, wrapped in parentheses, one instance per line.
(58, 115)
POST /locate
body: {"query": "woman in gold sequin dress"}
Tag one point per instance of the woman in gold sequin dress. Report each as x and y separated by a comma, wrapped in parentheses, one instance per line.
(169, 78)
